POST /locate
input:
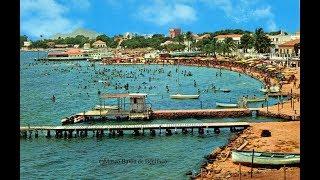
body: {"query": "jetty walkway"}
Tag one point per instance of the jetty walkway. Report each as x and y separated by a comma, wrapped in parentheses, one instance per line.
(200, 113)
(98, 130)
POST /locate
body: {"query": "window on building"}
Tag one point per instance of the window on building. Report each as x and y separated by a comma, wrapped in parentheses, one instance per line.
(134, 100)
(277, 39)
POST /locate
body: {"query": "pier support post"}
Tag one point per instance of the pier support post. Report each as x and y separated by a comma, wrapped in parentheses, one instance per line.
(232, 129)
(77, 133)
(48, 134)
(36, 135)
(184, 130)
(85, 133)
(201, 130)
(216, 130)
(159, 129)
(98, 133)
(136, 132)
(30, 133)
(168, 132)
(120, 132)
(65, 134)
(191, 130)
(24, 134)
(70, 134)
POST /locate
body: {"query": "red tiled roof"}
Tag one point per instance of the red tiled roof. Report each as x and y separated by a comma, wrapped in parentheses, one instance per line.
(228, 35)
(290, 43)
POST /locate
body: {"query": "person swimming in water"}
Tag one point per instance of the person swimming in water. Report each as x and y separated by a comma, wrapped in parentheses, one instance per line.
(53, 98)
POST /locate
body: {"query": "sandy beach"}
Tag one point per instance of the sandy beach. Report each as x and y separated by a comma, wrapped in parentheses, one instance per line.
(285, 137)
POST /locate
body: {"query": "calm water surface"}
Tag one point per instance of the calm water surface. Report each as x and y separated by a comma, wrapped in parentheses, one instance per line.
(76, 85)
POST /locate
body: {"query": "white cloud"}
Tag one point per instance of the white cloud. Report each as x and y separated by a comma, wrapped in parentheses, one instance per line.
(272, 25)
(164, 12)
(45, 17)
(263, 13)
(244, 11)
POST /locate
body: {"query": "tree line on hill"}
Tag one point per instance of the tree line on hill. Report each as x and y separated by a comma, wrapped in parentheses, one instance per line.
(257, 40)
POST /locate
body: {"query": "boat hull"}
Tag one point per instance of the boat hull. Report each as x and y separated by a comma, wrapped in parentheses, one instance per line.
(227, 105)
(262, 158)
(180, 96)
(256, 100)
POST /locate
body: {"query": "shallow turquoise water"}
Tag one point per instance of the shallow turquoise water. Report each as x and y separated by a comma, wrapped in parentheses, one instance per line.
(79, 158)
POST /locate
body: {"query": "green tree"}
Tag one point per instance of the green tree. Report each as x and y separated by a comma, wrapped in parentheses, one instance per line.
(174, 47)
(189, 38)
(262, 43)
(229, 45)
(246, 42)
(210, 46)
(23, 39)
(179, 38)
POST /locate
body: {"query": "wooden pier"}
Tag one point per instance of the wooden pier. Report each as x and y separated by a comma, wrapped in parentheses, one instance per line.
(200, 113)
(98, 130)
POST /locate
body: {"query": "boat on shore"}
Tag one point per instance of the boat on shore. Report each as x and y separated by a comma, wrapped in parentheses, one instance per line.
(184, 96)
(272, 89)
(265, 158)
(256, 99)
(227, 105)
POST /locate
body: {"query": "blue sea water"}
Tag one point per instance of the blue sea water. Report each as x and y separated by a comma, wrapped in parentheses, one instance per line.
(75, 86)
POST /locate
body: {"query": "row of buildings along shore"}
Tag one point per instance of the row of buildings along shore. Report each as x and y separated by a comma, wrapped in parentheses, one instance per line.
(283, 49)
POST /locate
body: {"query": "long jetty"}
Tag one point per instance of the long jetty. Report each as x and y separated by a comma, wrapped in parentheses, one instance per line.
(98, 130)
(200, 113)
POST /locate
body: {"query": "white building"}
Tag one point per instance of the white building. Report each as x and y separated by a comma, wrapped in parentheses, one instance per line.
(279, 39)
(86, 46)
(235, 37)
(151, 55)
(26, 43)
(99, 44)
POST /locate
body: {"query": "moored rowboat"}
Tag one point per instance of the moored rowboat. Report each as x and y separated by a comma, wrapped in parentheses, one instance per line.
(184, 96)
(255, 99)
(226, 105)
(265, 158)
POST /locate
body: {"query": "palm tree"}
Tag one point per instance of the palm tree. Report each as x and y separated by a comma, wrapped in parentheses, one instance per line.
(227, 46)
(179, 38)
(246, 42)
(262, 43)
(189, 39)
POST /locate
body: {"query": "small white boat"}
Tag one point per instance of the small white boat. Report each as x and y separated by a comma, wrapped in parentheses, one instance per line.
(184, 96)
(225, 90)
(228, 105)
(256, 99)
(272, 89)
(265, 158)
(265, 90)
(66, 120)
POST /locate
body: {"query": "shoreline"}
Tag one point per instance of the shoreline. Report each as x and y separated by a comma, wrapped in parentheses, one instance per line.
(271, 111)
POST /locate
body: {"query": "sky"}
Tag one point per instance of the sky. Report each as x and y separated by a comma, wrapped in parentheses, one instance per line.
(112, 17)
